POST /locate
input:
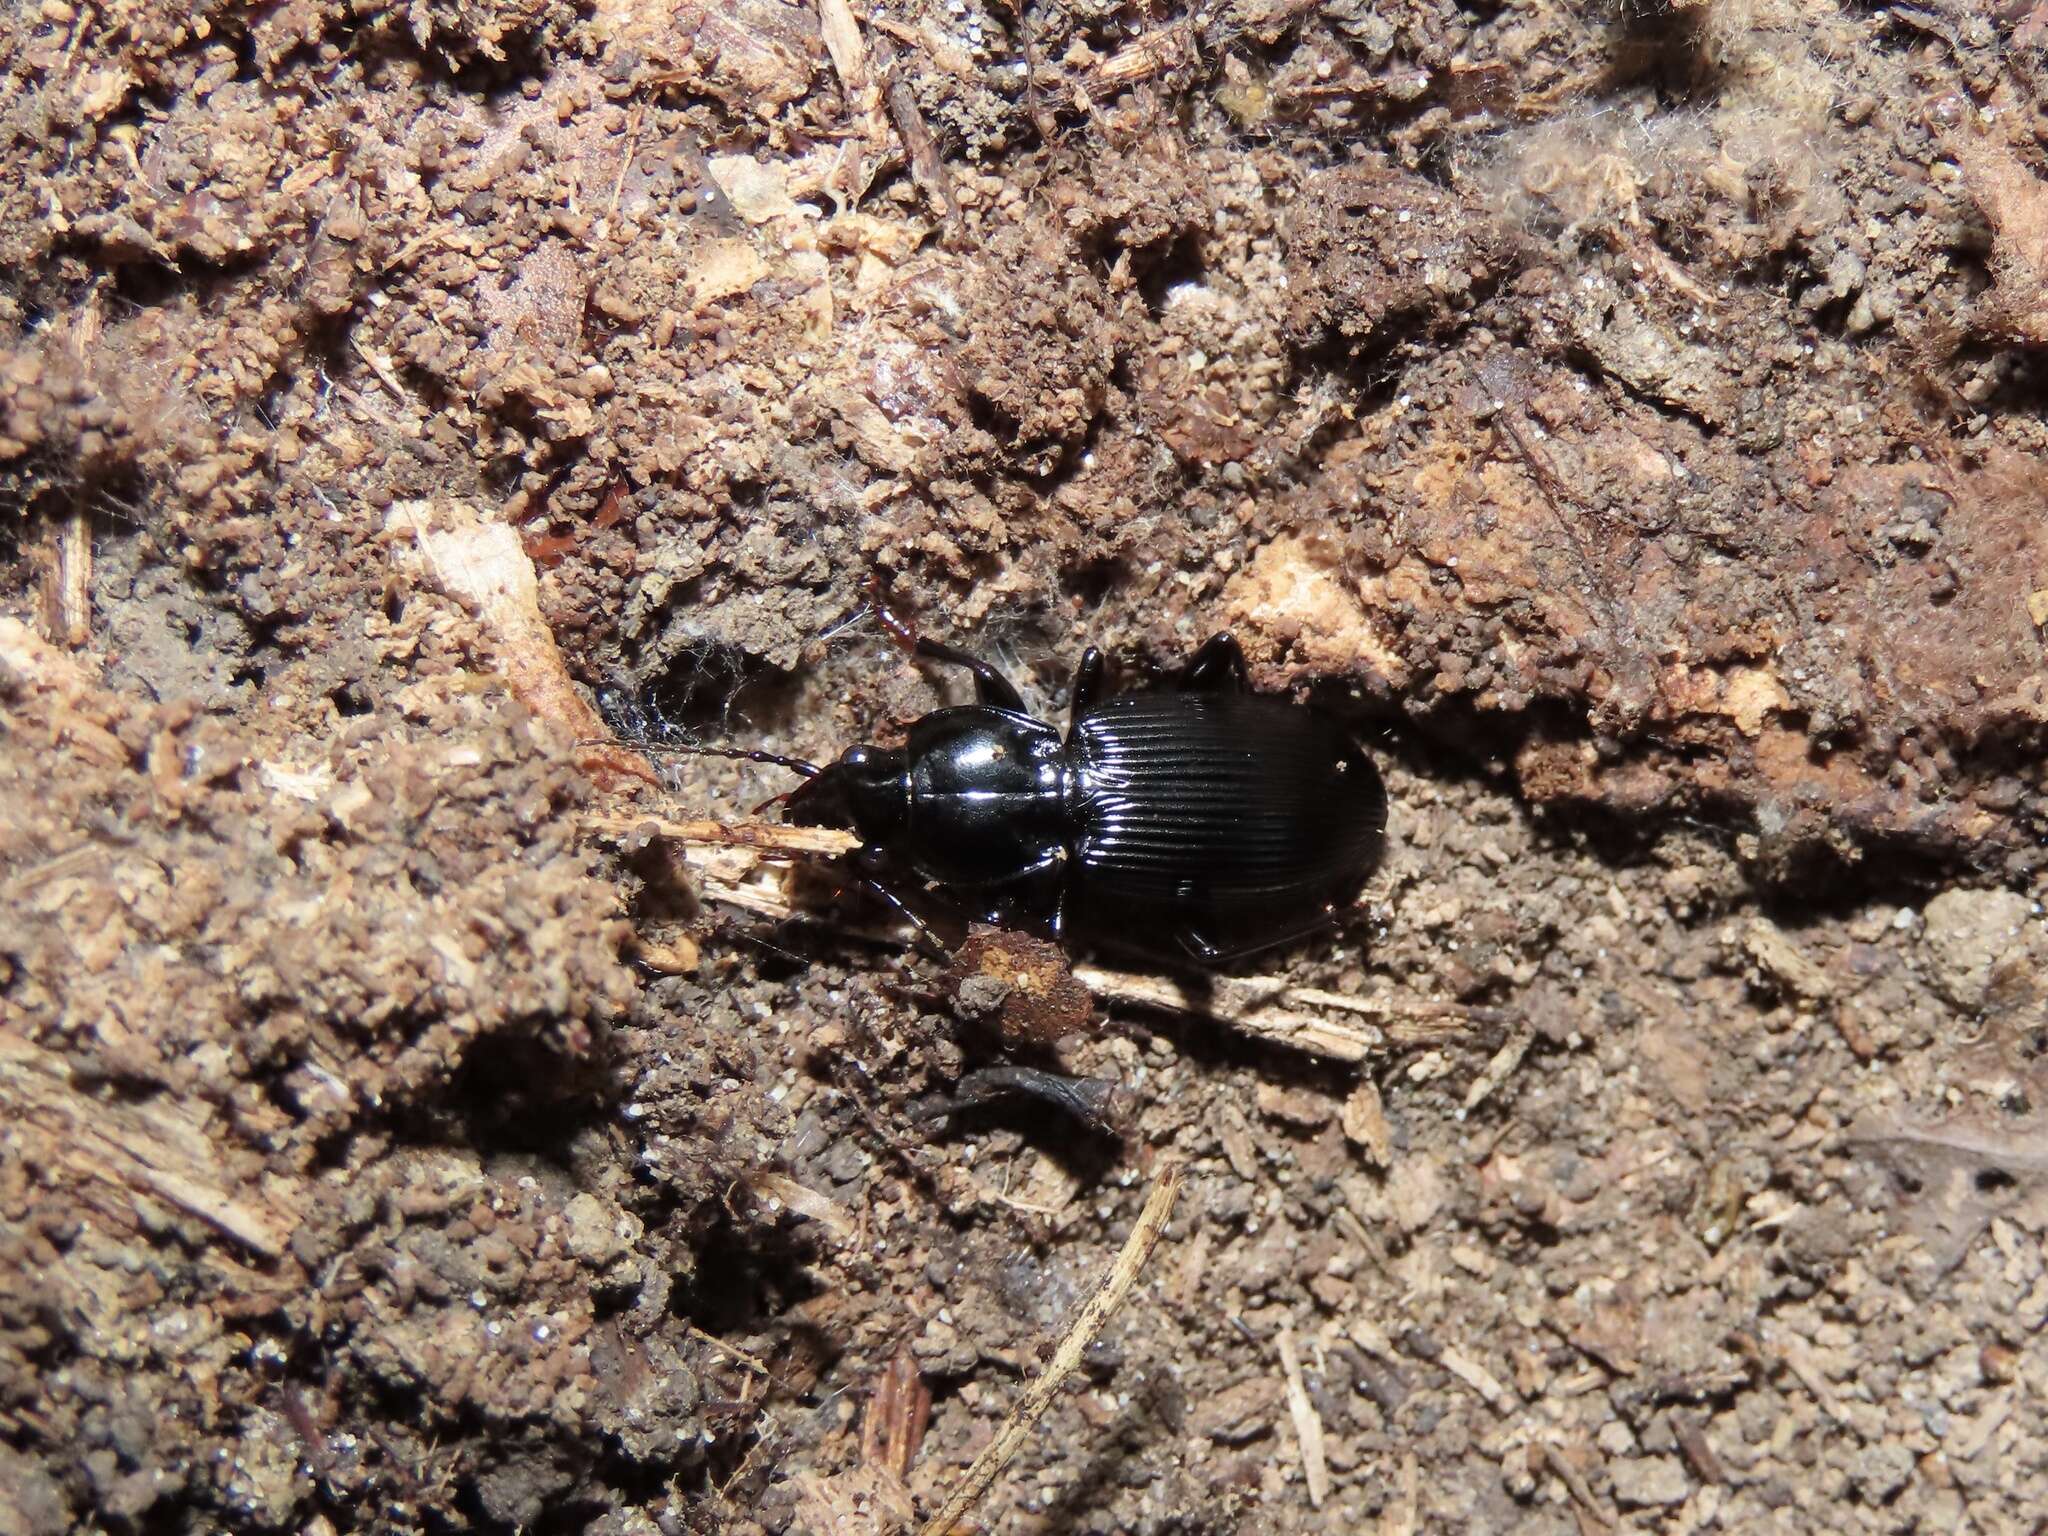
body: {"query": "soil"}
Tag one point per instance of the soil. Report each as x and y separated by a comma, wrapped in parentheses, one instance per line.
(1630, 417)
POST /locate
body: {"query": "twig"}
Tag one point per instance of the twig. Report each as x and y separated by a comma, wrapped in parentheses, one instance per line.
(763, 837)
(1089, 1319)
(733, 1350)
(762, 1437)
(381, 366)
(1575, 1483)
(1793, 1353)
(1267, 1007)
(633, 124)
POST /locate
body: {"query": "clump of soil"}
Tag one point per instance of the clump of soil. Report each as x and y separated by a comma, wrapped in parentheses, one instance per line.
(1630, 418)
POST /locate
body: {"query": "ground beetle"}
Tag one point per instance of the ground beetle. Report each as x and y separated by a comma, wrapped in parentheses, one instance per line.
(1197, 821)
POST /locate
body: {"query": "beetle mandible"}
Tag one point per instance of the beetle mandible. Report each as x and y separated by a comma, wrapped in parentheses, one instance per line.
(1197, 821)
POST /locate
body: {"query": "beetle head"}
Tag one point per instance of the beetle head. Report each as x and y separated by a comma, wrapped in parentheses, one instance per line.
(867, 791)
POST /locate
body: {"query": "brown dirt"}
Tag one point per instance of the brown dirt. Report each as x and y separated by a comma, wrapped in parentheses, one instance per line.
(1631, 416)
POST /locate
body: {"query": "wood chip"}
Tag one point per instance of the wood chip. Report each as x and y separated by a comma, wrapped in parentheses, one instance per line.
(862, 1501)
(1144, 58)
(863, 93)
(483, 565)
(1699, 1451)
(67, 584)
(27, 653)
(1404, 1508)
(1300, 1107)
(126, 1153)
(1365, 1125)
(673, 955)
(1308, 1424)
(1968, 1438)
(1185, 1288)
(765, 1184)
(1372, 1338)
(1780, 957)
(1849, 1022)
(1499, 1069)
(1477, 1377)
(927, 170)
(898, 1412)
(1239, 1146)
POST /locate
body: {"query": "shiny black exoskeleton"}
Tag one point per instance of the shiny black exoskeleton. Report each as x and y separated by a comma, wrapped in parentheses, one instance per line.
(1200, 820)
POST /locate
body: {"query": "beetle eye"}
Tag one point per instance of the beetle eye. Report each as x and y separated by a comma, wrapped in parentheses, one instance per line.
(859, 757)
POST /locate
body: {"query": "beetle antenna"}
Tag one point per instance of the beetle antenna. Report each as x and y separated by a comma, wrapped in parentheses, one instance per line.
(743, 755)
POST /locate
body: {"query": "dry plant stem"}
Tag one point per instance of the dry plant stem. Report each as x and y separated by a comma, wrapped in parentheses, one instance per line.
(1293, 1016)
(1041, 118)
(1088, 1322)
(1575, 1482)
(765, 837)
(735, 1353)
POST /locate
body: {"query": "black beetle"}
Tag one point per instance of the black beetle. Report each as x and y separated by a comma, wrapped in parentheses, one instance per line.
(1201, 820)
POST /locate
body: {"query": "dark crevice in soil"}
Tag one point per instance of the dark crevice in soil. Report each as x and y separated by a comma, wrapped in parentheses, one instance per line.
(1179, 261)
(697, 693)
(1818, 871)
(746, 1278)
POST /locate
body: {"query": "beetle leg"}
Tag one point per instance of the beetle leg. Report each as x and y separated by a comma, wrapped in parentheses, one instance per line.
(1209, 953)
(1096, 1102)
(1217, 667)
(927, 943)
(990, 686)
(1086, 689)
